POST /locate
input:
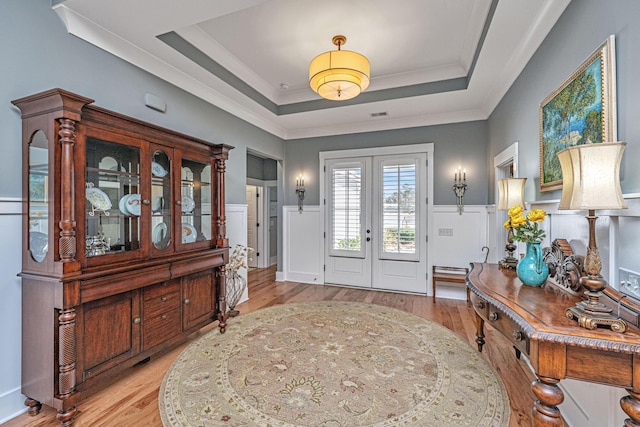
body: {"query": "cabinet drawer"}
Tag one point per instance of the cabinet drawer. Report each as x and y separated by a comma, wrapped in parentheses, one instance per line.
(508, 328)
(479, 305)
(160, 298)
(159, 328)
(155, 291)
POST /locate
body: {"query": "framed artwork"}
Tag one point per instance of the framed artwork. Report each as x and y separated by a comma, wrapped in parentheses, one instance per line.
(582, 110)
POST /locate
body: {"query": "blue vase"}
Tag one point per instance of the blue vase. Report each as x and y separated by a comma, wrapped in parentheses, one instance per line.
(531, 269)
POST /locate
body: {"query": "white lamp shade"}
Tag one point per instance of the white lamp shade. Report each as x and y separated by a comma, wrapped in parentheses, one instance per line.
(339, 74)
(510, 193)
(591, 176)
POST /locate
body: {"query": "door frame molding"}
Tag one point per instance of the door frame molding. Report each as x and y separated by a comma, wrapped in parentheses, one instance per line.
(426, 147)
(263, 218)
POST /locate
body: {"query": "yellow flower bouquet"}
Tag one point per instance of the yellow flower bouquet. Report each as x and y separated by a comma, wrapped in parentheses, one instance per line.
(525, 228)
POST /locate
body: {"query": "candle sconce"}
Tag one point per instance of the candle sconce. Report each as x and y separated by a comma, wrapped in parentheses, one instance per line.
(460, 187)
(300, 191)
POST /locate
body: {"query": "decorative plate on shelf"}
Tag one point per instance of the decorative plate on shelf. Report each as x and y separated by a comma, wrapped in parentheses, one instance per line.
(122, 204)
(98, 198)
(159, 233)
(188, 204)
(133, 204)
(189, 233)
(38, 245)
(158, 170)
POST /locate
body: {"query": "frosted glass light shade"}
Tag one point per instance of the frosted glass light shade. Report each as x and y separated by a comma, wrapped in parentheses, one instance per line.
(510, 193)
(591, 176)
(339, 74)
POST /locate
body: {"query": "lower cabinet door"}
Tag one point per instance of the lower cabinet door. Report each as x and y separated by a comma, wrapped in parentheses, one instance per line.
(198, 299)
(110, 332)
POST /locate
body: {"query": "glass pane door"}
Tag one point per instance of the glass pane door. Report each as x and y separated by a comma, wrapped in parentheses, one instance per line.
(195, 202)
(399, 213)
(161, 199)
(39, 196)
(113, 200)
(346, 210)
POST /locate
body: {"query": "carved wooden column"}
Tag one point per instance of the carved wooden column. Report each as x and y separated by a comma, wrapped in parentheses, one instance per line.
(545, 410)
(67, 242)
(221, 276)
(221, 226)
(66, 363)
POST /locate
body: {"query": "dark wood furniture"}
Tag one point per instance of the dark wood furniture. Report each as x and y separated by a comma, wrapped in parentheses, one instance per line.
(124, 244)
(533, 319)
(454, 275)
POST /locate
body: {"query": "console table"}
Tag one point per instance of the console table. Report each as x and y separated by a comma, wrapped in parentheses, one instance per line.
(533, 319)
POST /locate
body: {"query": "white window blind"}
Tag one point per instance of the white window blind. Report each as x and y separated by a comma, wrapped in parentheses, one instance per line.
(346, 212)
(399, 208)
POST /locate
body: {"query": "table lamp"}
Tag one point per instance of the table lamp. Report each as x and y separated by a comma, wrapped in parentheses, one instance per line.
(510, 193)
(590, 181)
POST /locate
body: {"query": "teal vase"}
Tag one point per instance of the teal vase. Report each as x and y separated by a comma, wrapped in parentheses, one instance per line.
(532, 270)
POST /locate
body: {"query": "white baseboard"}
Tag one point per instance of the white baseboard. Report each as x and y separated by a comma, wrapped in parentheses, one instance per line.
(280, 276)
(11, 405)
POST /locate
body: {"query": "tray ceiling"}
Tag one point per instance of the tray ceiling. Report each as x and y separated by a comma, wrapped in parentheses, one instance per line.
(432, 61)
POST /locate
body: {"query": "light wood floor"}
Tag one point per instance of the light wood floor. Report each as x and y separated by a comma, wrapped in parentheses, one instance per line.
(132, 399)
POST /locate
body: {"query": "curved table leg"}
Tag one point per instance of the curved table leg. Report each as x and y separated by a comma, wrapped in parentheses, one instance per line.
(479, 332)
(545, 410)
(631, 406)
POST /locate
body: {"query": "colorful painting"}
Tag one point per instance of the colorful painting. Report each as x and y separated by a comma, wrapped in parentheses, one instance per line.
(580, 111)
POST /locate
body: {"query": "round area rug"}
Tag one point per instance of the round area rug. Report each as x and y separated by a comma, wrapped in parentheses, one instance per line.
(332, 364)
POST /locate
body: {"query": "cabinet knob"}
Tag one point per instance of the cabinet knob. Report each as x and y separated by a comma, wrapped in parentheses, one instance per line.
(494, 315)
(163, 299)
(164, 317)
(146, 201)
(178, 202)
(518, 335)
(480, 304)
(186, 301)
(136, 320)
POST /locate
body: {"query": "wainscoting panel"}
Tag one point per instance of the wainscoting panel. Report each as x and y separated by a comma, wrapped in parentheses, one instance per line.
(458, 241)
(302, 248)
(237, 234)
(11, 400)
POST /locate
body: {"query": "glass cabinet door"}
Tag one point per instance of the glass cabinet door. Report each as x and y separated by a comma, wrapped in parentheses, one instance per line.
(195, 202)
(161, 200)
(113, 199)
(39, 196)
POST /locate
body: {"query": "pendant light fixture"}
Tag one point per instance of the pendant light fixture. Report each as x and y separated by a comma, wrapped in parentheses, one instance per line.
(339, 74)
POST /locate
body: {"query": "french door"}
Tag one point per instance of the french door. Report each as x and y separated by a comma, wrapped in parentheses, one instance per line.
(376, 222)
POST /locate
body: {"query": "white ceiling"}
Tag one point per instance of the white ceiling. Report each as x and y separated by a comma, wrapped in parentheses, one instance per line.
(459, 56)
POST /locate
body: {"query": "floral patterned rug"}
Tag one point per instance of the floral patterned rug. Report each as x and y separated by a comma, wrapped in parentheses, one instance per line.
(332, 364)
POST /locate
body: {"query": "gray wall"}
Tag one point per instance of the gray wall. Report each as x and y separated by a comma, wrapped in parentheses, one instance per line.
(584, 25)
(39, 54)
(262, 169)
(456, 144)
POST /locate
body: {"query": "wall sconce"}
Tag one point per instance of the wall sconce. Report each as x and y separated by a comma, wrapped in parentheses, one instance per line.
(300, 191)
(459, 187)
(510, 193)
(590, 181)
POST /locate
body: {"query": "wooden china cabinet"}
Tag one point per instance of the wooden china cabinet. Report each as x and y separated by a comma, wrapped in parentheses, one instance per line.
(124, 244)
